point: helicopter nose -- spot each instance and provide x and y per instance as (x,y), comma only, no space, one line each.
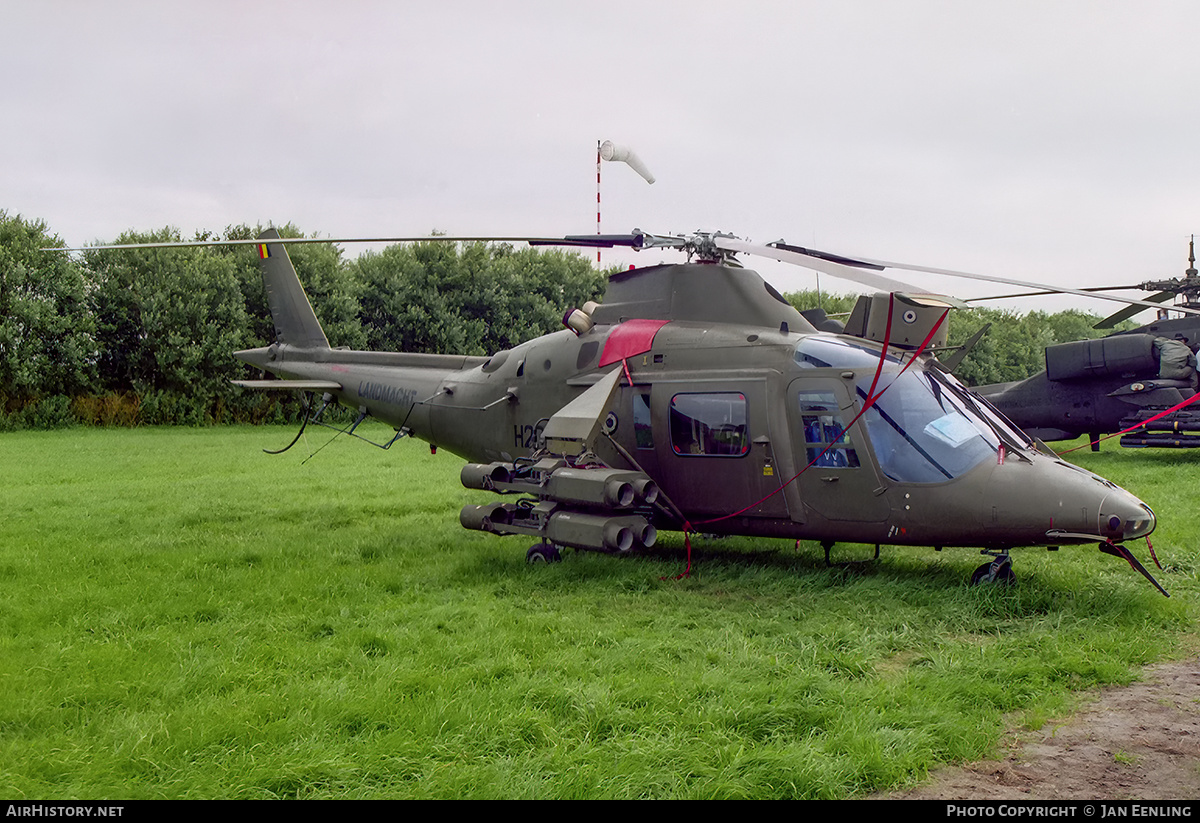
(1049,500)
(1124,517)
(1091,505)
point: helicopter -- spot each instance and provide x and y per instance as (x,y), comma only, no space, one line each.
(1139,384)
(694,398)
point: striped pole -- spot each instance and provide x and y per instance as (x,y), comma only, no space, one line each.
(597,199)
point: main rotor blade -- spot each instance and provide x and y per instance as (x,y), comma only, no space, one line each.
(1046,291)
(822,264)
(987,278)
(1129,311)
(602,241)
(824,255)
(607,241)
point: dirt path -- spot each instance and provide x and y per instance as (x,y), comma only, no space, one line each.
(1138,742)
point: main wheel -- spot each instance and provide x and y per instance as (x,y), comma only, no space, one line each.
(1005,576)
(543,553)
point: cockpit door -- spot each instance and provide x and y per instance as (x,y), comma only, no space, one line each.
(843,483)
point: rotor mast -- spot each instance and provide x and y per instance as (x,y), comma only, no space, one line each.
(1186,288)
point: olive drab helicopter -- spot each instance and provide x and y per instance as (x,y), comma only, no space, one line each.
(695,398)
(1139,384)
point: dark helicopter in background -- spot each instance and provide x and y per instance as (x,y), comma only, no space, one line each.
(696,398)
(1137,382)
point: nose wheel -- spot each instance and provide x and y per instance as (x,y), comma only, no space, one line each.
(998,571)
(543,553)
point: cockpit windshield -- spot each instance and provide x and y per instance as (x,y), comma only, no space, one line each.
(924,427)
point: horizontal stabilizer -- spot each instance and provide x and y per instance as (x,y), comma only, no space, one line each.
(291,385)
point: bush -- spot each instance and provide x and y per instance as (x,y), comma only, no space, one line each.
(45,413)
(113,409)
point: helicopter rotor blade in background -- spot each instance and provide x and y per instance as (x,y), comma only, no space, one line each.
(987,278)
(1129,311)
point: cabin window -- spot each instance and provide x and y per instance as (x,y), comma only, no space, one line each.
(825,437)
(819,351)
(712,424)
(641,421)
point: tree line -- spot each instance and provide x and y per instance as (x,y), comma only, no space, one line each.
(129,337)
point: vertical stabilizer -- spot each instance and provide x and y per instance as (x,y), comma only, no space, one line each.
(295,322)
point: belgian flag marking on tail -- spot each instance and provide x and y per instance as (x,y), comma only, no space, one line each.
(264,251)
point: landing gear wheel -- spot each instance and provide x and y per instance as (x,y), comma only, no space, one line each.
(543,553)
(1003,575)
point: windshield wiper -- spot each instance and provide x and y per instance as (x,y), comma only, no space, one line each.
(983,414)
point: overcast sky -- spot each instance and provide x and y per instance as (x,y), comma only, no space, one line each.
(1049,141)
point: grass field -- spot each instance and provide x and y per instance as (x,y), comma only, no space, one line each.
(182,615)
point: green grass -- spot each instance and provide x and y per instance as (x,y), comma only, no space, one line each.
(182,615)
